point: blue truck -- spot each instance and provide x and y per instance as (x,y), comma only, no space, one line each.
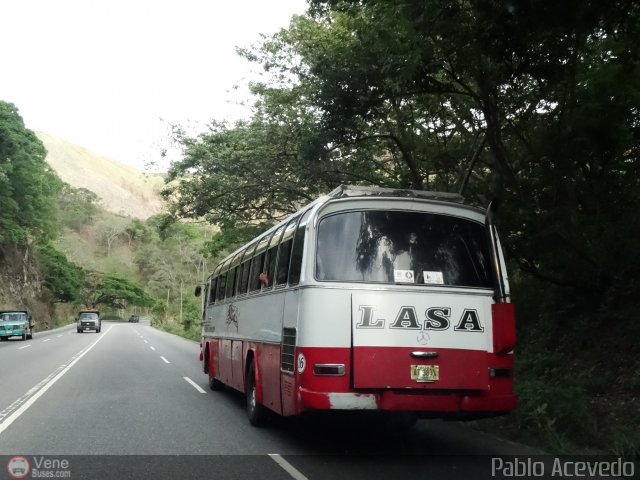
(15,323)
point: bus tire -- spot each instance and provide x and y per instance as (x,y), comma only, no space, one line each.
(256,412)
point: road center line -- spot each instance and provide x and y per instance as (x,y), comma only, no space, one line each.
(145,341)
(17,408)
(165,360)
(26,346)
(287,467)
(58,336)
(46,340)
(194,385)
(152,348)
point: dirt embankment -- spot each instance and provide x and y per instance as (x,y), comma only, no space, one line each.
(21,288)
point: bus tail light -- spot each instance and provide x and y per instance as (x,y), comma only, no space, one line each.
(504,327)
(329,369)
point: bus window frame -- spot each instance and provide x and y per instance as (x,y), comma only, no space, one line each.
(223,272)
(233,267)
(212,285)
(293,221)
(242,256)
(304,217)
(264,240)
(273,244)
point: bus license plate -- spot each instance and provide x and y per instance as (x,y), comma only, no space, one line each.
(425,373)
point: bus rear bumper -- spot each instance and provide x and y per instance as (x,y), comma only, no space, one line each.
(414,401)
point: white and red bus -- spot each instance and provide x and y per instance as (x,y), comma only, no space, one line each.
(366,299)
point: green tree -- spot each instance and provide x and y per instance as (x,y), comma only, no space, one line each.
(491,97)
(28,186)
(62,278)
(77,206)
(250,172)
(114,291)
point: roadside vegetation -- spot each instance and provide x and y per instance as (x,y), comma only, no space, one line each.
(60,251)
(534,104)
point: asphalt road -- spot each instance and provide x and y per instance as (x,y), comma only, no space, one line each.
(132,402)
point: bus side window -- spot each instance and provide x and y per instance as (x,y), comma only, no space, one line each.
(212,291)
(222,283)
(256,269)
(271,266)
(272,255)
(231,281)
(284,256)
(284,253)
(244,278)
(237,287)
(295,269)
(258,274)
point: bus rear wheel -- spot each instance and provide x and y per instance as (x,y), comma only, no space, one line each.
(256,412)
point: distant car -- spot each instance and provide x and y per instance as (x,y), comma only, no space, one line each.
(16,323)
(89,320)
(134,319)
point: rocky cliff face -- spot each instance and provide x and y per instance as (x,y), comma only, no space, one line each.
(21,286)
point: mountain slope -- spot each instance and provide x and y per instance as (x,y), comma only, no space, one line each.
(122,189)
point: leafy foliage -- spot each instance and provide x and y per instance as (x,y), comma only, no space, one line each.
(488,97)
(78,206)
(534,103)
(28,187)
(62,278)
(113,291)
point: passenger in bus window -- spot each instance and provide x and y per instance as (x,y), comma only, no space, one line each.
(264,279)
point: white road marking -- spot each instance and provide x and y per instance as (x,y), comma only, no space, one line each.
(145,341)
(152,348)
(194,385)
(164,360)
(58,336)
(17,408)
(287,467)
(46,340)
(26,346)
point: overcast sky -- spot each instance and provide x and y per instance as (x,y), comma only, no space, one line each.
(102,73)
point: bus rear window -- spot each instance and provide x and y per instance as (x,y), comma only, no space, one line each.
(422,248)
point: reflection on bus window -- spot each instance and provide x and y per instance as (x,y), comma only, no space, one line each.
(368,246)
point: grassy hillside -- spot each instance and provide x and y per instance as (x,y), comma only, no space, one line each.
(122,189)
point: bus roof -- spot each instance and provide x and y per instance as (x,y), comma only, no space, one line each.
(358,191)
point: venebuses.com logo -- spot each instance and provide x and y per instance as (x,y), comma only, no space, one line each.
(38,467)
(18,467)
